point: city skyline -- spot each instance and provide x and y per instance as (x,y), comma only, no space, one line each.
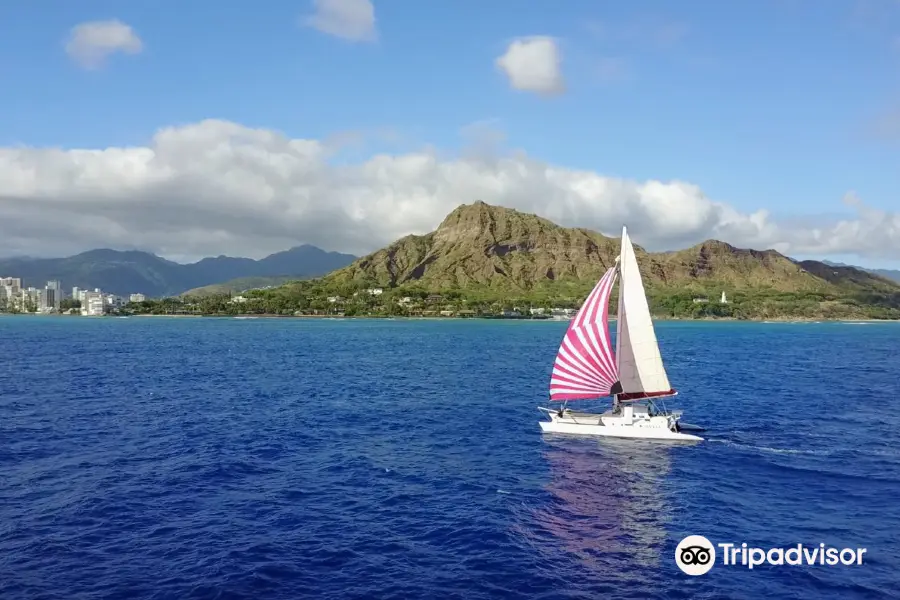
(16,296)
(347,124)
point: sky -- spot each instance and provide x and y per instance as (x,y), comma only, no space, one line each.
(199,129)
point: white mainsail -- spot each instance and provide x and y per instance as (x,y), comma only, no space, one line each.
(641,370)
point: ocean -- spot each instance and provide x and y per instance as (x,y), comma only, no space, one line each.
(298,458)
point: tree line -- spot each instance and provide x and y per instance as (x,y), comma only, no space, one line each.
(353,299)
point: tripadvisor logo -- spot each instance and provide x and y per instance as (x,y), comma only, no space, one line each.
(696,555)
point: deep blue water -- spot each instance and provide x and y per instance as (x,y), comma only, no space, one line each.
(222,458)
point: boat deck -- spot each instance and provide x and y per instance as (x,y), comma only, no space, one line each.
(586,415)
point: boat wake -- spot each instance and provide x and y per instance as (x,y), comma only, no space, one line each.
(769,449)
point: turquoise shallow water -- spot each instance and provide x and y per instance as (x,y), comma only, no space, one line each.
(223,458)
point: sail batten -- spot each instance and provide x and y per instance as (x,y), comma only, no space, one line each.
(585,365)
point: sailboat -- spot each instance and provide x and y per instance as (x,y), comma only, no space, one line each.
(587,368)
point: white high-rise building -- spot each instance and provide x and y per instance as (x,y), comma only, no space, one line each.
(51,296)
(113,300)
(93,304)
(10,290)
(15,282)
(78,293)
(49,300)
(31,300)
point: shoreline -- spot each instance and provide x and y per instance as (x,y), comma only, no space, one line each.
(611,320)
(771,320)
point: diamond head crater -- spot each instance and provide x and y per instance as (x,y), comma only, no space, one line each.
(482,261)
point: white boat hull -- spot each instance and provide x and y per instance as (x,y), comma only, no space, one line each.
(631,422)
(618,432)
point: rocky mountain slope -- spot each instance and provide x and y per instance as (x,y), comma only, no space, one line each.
(484,245)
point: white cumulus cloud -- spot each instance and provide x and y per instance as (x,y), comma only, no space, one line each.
(217,187)
(89,44)
(352,20)
(533,65)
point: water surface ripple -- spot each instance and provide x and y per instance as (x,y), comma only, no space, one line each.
(221,458)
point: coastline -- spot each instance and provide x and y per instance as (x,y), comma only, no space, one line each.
(771,320)
(612,319)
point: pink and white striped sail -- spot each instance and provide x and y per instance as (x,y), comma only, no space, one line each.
(585,365)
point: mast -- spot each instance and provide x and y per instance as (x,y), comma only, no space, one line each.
(620,318)
(638,360)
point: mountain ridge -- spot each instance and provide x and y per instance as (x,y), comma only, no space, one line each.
(476,244)
(481,245)
(126,272)
(892,274)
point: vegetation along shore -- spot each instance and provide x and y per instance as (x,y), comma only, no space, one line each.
(487,261)
(494,262)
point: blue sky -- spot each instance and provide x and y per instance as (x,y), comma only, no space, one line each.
(779,104)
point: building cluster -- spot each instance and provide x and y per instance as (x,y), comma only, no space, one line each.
(436,304)
(30,299)
(554,313)
(14,297)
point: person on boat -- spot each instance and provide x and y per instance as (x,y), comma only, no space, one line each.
(562,409)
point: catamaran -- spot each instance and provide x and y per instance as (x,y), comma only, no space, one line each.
(587,368)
